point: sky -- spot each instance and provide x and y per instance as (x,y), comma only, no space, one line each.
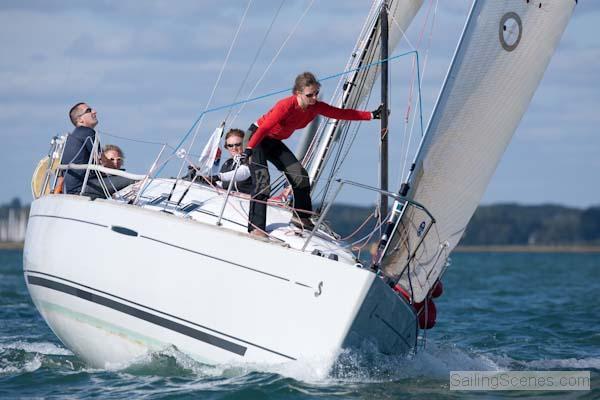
(149,68)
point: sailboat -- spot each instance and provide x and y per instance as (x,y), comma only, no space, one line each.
(154,266)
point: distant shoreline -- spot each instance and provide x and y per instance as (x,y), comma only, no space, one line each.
(11,245)
(528,249)
(459,249)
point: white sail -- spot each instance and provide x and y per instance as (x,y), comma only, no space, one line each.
(358,85)
(400,15)
(500,60)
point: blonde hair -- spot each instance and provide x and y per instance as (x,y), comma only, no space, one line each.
(113,147)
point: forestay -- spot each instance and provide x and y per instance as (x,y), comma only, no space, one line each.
(499,62)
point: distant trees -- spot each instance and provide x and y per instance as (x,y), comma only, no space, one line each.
(590,224)
(504,224)
(513,224)
(499,224)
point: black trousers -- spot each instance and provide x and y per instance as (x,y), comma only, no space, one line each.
(278,154)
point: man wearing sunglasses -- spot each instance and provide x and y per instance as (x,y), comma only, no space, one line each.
(79,145)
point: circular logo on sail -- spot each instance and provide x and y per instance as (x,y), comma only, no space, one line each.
(510,31)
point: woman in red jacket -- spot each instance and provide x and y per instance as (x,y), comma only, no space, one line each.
(291,113)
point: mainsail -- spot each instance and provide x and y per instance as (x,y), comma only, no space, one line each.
(500,60)
(358,85)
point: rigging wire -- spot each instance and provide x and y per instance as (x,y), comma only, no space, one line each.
(339,158)
(260,47)
(218,81)
(341,137)
(420,84)
(371,21)
(273,60)
(237,32)
(410,98)
(345,126)
(198,122)
(134,140)
(361,42)
(367,237)
(391,14)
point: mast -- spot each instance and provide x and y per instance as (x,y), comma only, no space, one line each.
(358,85)
(383,143)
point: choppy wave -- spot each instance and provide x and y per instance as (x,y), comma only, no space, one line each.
(434,361)
(567,364)
(41,348)
(14,365)
(168,362)
(355,366)
(359,366)
(21,356)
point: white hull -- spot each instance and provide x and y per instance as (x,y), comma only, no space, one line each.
(112,294)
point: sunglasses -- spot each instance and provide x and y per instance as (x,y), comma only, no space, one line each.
(87,111)
(116,159)
(231,145)
(311,95)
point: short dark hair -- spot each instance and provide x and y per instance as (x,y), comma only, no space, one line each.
(234,132)
(303,80)
(73,113)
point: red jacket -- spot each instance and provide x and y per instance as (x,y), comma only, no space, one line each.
(287,116)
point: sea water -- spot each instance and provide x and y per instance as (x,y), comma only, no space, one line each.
(498,312)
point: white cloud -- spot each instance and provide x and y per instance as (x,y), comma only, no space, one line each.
(149,68)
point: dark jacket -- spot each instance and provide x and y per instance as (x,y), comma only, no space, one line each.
(78,149)
(244,186)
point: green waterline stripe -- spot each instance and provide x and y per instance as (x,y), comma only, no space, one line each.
(138,313)
(133,336)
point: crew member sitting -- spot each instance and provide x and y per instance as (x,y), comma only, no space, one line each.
(113,157)
(242,182)
(234,140)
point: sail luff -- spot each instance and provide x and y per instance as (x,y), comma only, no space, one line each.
(502,55)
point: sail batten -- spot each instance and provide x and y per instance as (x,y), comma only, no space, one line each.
(502,55)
